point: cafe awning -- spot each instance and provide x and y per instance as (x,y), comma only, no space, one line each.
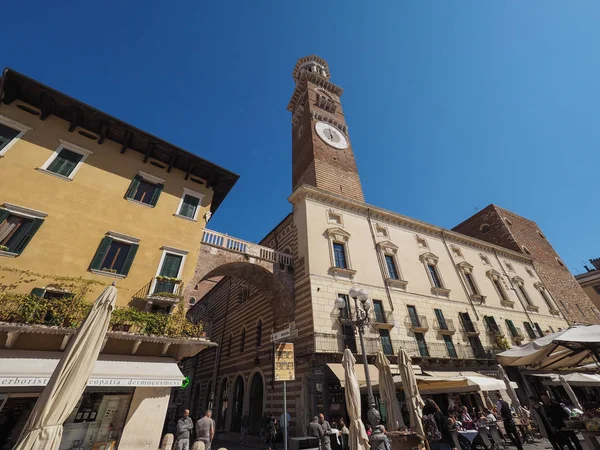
(474,379)
(32,368)
(574,379)
(338,371)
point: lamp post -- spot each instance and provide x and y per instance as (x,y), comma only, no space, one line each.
(359,319)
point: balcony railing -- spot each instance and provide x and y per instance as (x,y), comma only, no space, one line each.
(383,319)
(493,329)
(444,327)
(226,242)
(517,334)
(162,289)
(418,323)
(469,328)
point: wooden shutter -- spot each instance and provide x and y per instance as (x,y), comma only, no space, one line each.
(3,215)
(129,260)
(34,225)
(65,162)
(157,191)
(133,187)
(101,253)
(171,264)
(38,292)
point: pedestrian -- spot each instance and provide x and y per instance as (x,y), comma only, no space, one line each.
(264,424)
(557,415)
(284,423)
(378,440)
(184,426)
(205,429)
(271,431)
(326,440)
(315,429)
(538,415)
(345,433)
(509,424)
(435,425)
(244,428)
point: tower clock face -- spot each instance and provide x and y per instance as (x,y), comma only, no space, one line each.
(331,135)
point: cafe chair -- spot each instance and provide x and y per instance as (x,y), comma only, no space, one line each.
(498,440)
(482,441)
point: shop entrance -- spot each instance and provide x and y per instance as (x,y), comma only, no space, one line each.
(14,412)
(255,411)
(238,404)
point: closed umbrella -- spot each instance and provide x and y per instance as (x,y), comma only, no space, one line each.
(511,392)
(387,391)
(358,435)
(44,428)
(488,402)
(414,402)
(570,392)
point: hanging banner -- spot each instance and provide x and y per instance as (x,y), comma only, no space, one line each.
(284,362)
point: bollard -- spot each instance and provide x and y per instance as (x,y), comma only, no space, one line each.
(198,445)
(167,442)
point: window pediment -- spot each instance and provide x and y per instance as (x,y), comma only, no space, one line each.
(387,247)
(539,286)
(518,281)
(465,267)
(338,234)
(429,258)
(493,274)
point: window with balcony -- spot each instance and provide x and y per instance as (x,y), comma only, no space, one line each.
(167,279)
(341,265)
(529,305)
(529,329)
(414,317)
(386,342)
(348,337)
(468,325)
(430,263)
(540,333)
(422,344)
(393,275)
(145,189)
(114,255)
(478,350)
(378,310)
(441,320)
(450,346)
(18,225)
(496,279)
(491,325)
(10,133)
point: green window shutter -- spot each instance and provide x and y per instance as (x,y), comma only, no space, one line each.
(189,206)
(133,187)
(38,292)
(154,200)
(129,260)
(3,215)
(170,267)
(65,162)
(7,134)
(101,253)
(34,225)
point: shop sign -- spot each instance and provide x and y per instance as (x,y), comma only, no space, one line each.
(124,382)
(284,362)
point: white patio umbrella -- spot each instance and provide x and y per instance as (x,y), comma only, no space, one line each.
(387,391)
(44,428)
(511,392)
(570,392)
(358,439)
(414,402)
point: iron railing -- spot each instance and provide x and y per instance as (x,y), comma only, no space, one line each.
(170,288)
(445,327)
(417,323)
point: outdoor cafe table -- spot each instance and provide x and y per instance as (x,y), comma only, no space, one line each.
(469,434)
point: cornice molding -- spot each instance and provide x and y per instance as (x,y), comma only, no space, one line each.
(389,217)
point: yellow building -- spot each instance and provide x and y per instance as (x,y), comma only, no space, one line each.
(87,200)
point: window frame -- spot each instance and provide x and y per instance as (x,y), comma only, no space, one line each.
(498,283)
(388,249)
(119,237)
(596,288)
(65,145)
(172,250)
(339,249)
(38,218)
(389,337)
(21,128)
(552,306)
(194,194)
(522,292)
(339,236)
(429,259)
(466,272)
(148,178)
(530,330)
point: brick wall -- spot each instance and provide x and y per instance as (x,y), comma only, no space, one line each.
(520,234)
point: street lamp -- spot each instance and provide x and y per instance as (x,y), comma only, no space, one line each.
(359,319)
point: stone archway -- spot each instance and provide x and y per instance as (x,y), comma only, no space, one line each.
(255,402)
(237,406)
(274,280)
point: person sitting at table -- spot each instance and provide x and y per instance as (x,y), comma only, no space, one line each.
(489,417)
(466,420)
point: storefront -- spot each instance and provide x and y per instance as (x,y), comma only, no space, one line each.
(108,414)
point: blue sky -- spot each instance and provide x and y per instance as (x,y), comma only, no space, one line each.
(451,105)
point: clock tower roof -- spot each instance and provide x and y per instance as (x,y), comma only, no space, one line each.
(312,64)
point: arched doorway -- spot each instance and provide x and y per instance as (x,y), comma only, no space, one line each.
(238,404)
(255,410)
(222,404)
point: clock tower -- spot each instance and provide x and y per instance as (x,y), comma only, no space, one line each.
(322,155)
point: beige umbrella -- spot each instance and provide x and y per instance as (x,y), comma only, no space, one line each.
(414,402)
(44,428)
(488,402)
(511,392)
(387,391)
(570,392)
(358,435)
